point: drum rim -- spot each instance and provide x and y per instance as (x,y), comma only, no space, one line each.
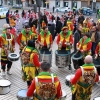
(76,58)
(62,54)
(6,86)
(9,56)
(21,96)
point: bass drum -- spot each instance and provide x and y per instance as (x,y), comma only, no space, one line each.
(77,59)
(97,64)
(62,58)
(21,95)
(4,86)
(46,56)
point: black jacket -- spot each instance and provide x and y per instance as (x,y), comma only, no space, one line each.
(77,37)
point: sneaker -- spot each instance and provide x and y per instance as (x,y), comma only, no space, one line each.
(8,72)
(3,73)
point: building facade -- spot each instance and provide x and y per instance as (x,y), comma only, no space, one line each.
(56,3)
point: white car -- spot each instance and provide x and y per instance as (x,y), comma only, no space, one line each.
(62,9)
(3,12)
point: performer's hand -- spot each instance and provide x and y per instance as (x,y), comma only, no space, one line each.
(78,49)
(82,51)
(50,49)
(68,44)
(96,56)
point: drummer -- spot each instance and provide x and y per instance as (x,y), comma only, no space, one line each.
(84,79)
(45,83)
(84,45)
(45,39)
(30,61)
(65,39)
(97,50)
(7,45)
(24,36)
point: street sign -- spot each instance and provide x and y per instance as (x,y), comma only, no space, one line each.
(94,0)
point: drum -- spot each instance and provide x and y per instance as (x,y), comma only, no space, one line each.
(21,95)
(98,83)
(77,59)
(97,98)
(97,64)
(4,86)
(13,57)
(68,77)
(64,94)
(45,56)
(62,58)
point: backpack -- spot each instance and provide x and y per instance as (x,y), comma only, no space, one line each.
(88,76)
(47,91)
(25,56)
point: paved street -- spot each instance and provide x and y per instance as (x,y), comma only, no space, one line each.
(16,78)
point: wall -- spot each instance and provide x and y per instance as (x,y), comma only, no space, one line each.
(61,3)
(78,4)
(51,3)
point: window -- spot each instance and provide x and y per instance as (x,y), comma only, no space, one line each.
(65,4)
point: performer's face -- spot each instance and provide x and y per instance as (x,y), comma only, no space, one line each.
(7,31)
(65,31)
(85,37)
(28,30)
(46,30)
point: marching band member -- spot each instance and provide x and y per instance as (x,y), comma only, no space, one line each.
(45,83)
(84,45)
(70,24)
(85,28)
(84,79)
(45,39)
(34,30)
(7,45)
(65,39)
(30,61)
(24,36)
(12,21)
(97,50)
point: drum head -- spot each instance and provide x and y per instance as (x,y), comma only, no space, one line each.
(5,83)
(96,62)
(68,77)
(14,55)
(45,51)
(77,56)
(97,98)
(22,93)
(62,52)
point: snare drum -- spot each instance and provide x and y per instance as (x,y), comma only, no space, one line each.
(97,98)
(4,86)
(21,95)
(68,77)
(13,57)
(62,58)
(47,56)
(64,94)
(77,59)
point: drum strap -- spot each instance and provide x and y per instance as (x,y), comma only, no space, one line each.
(83,70)
(36,79)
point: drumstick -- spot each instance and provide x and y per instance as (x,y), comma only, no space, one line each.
(43,56)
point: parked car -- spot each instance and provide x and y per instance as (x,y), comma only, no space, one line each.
(17,6)
(3,11)
(87,11)
(62,9)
